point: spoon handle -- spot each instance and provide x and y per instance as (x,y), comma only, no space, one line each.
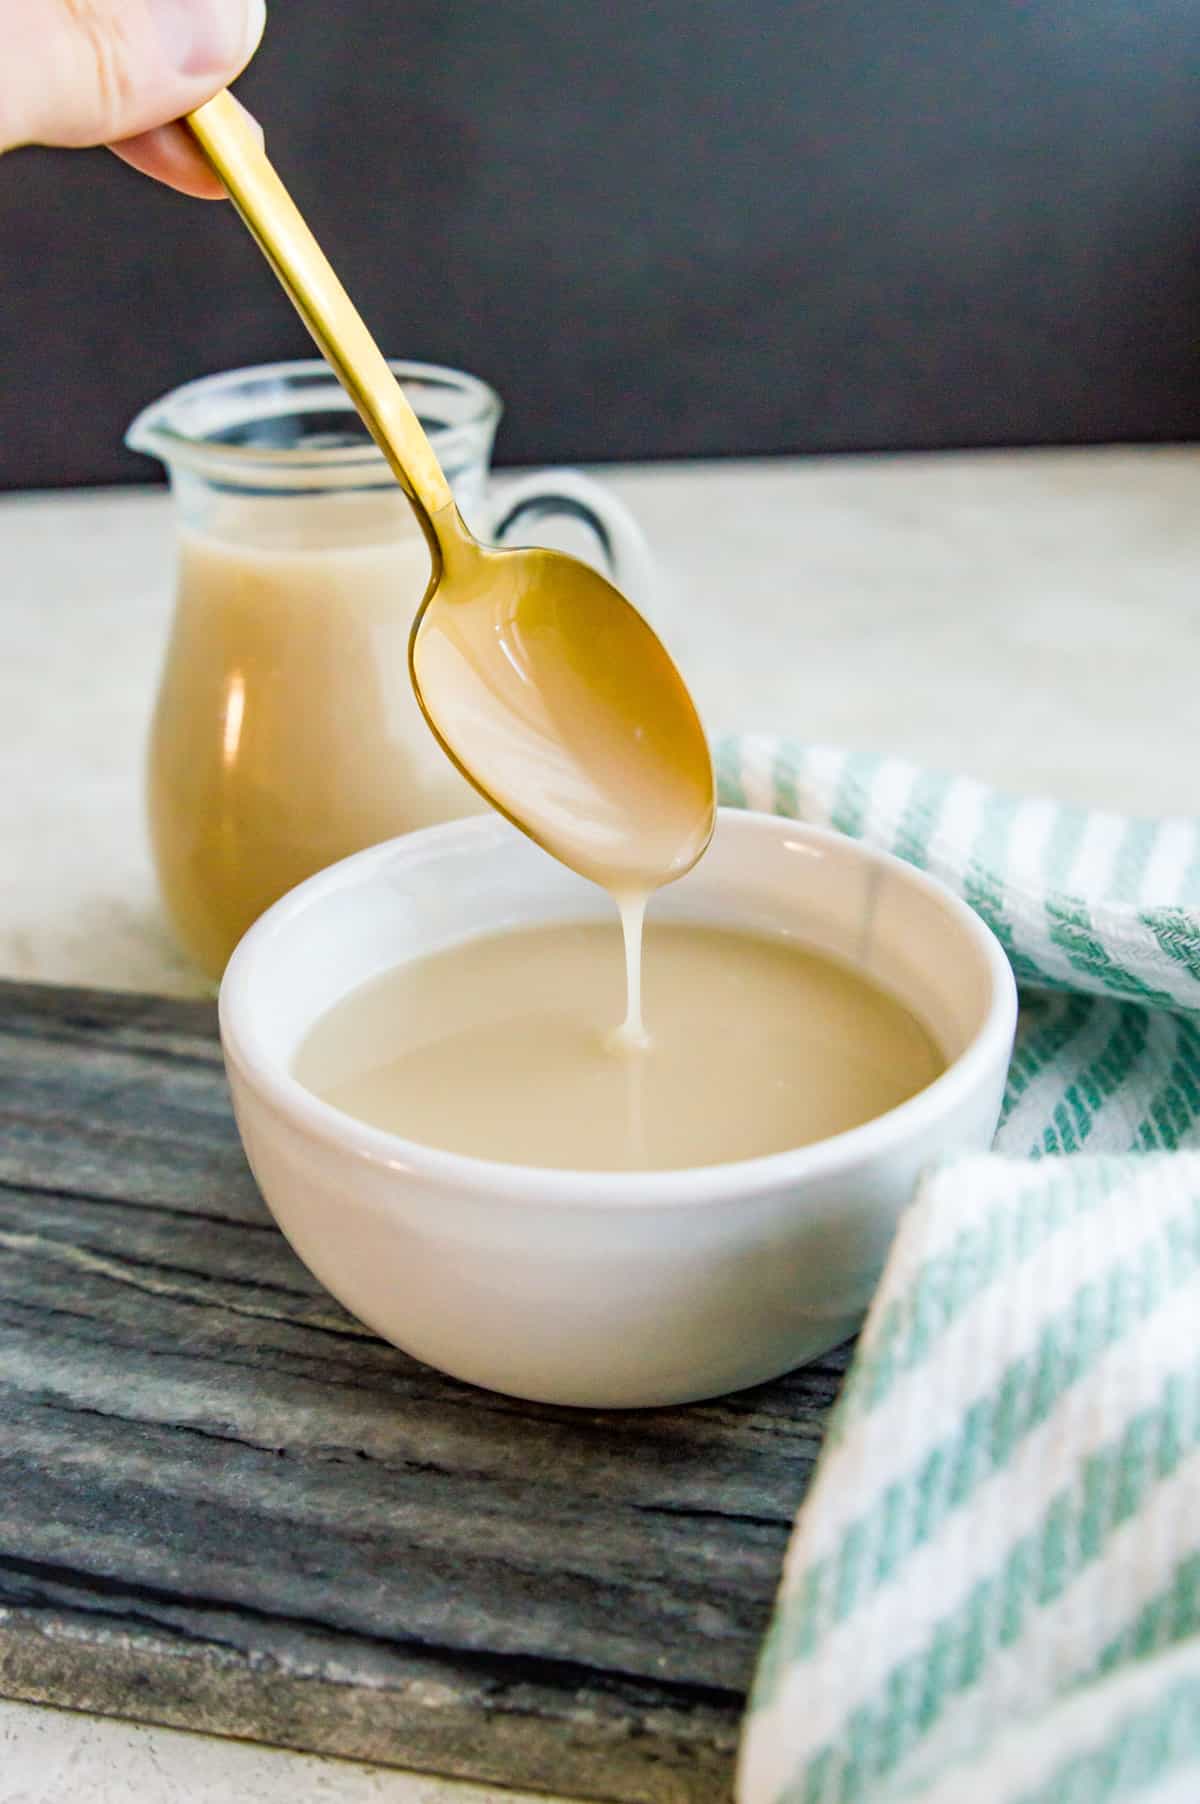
(231,144)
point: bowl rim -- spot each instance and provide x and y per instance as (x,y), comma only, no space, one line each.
(556,1186)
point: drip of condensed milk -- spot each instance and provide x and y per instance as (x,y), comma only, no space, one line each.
(631,1036)
(585,736)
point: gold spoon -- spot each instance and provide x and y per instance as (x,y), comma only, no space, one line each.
(542,683)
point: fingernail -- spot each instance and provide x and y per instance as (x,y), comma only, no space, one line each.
(209,37)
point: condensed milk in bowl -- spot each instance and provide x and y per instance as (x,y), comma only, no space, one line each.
(419,1043)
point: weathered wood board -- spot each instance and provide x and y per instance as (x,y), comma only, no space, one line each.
(227,1506)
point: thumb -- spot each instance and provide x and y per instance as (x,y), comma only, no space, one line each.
(79,72)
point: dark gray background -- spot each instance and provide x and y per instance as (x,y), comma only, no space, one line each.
(666,227)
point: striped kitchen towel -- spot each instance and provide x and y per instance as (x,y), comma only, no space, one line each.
(1099,914)
(992,1593)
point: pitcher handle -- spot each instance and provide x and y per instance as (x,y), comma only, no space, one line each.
(627,558)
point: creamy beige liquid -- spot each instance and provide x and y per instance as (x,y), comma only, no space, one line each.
(286,734)
(498,1048)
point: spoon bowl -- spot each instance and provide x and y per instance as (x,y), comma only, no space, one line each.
(532,668)
(544,685)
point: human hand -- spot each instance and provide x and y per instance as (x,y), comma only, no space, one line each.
(119,72)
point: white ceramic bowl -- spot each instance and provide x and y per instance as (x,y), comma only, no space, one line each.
(608,1289)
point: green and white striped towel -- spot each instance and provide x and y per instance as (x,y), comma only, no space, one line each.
(1099,914)
(992,1594)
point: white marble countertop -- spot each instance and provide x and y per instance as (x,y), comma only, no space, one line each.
(1030,617)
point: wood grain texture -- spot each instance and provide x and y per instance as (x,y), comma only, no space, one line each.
(227,1506)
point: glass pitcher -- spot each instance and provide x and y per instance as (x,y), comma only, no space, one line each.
(286,734)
